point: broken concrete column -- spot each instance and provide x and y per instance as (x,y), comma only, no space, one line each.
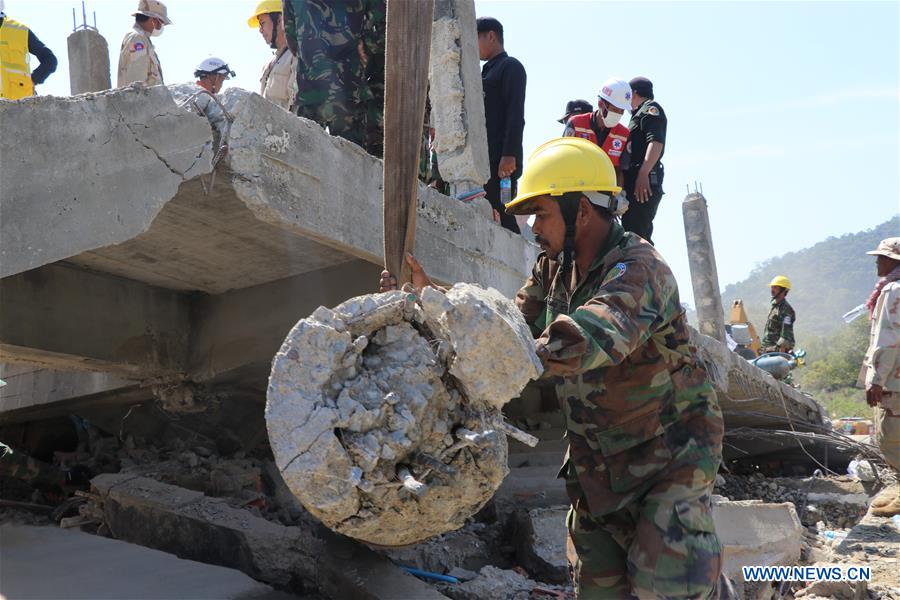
(88,62)
(384,413)
(702,258)
(457,100)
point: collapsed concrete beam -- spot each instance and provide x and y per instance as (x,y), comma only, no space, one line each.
(112,161)
(291,174)
(64,317)
(190,525)
(704,275)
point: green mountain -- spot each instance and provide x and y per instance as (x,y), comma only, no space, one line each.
(828,279)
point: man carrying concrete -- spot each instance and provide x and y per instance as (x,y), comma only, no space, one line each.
(279,77)
(602,126)
(643,423)
(881,367)
(503,78)
(137,57)
(778,335)
(328,40)
(17,41)
(646,145)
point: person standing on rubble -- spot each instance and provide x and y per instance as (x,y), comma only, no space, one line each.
(17,41)
(646,145)
(881,366)
(504,79)
(602,126)
(328,40)
(138,61)
(279,77)
(778,335)
(643,422)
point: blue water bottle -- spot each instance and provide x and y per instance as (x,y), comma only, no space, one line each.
(505,191)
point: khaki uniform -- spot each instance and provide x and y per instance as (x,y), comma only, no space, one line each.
(882,367)
(138,60)
(278,83)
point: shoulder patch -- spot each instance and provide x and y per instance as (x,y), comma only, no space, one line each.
(788,320)
(652,110)
(617,271)
(137,46)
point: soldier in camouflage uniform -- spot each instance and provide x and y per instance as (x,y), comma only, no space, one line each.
(779,333)
(644,425)
(328,39)
(374,42)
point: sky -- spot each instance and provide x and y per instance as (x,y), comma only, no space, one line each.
(787,113)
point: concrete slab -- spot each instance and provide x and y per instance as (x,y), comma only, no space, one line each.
(541,543)
(46,563)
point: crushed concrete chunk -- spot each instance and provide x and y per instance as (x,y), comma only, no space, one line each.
(541,543)
(371,407)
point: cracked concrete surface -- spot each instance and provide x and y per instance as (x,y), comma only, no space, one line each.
(87,150)
(383,413)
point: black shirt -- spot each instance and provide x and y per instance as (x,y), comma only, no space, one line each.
(648,124)
(43,54)
(503,78)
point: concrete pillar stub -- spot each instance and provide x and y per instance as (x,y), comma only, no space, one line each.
(88,62)
(457,99)
(702,258)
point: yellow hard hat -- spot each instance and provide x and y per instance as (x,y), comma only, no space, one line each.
(567,164)
(264,7)
(781,281)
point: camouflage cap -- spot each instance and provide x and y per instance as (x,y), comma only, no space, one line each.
(889,247)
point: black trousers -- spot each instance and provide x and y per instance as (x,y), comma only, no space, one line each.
(639,216)
(492,189)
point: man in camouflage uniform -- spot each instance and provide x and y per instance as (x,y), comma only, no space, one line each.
(644,426)
(328,40)
(374,44)
(779,333)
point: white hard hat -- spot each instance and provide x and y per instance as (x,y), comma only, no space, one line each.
(617,92)
(2,9)
(214,65)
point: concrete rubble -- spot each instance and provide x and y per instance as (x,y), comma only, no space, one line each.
(384,413)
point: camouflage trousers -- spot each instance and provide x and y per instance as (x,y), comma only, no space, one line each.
(661,544)
(343,118)
(21,466)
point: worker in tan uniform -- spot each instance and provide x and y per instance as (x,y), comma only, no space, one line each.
(137,58)
(279,78)
(881,367)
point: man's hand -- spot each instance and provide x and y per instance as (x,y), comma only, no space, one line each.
(496,215)
(543,352)
(361,50)
(507,166)
(420,278)
(642,187)
(873,395)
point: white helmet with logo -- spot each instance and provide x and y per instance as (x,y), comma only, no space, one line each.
(213,65)
(617,92)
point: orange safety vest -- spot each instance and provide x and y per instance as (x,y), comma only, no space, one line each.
(615,140)
(15,72)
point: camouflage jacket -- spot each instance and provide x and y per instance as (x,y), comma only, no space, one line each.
(325,36)
(779,327)
(635,396)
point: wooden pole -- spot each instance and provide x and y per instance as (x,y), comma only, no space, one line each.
(408,46)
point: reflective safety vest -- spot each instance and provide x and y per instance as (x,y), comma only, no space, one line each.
(616,138)
(15,73)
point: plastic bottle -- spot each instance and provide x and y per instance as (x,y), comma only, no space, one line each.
(505,191)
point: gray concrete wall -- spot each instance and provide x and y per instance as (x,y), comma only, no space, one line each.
(88,62)
(90,171)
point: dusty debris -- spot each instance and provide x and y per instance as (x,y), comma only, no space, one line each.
(494,583)
(384,413)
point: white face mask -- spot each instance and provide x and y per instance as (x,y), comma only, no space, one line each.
(157,32)
(611,119)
